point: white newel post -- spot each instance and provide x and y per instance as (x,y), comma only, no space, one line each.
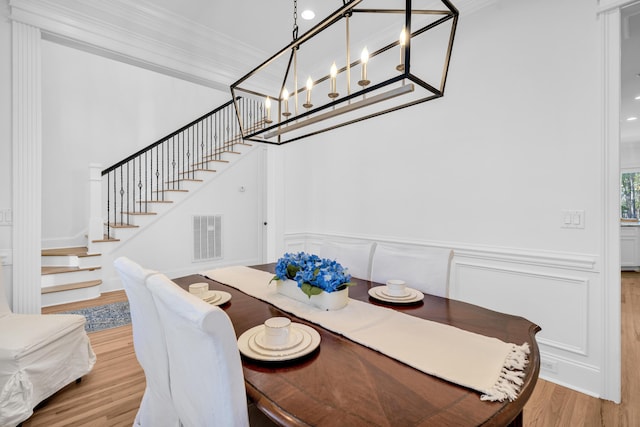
(27,168)
(96,231)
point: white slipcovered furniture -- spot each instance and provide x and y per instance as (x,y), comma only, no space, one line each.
(354,256)
(425,269)
(207,383)
(156,408)
(39,355)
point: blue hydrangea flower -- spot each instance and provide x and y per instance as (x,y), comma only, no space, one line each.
(302,267)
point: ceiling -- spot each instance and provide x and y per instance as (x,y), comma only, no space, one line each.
(266,26)
(630,74)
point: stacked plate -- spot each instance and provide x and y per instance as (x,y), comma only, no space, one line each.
(216,297)
(302,341)
(410,296)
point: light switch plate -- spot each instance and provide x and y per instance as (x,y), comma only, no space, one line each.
(571,218)
(5,257)
(6,217)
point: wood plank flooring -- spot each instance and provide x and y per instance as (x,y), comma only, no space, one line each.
(110,394)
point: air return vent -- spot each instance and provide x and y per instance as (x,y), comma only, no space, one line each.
(207,237)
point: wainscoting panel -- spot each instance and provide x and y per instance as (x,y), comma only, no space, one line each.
(548,300)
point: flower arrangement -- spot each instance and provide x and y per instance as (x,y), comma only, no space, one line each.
(313,274)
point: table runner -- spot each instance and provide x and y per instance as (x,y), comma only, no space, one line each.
(485,364)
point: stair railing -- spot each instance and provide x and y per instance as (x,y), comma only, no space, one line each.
(145,177)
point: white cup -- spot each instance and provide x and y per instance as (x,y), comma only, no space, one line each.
(198,289)
(276,331)
(396,287)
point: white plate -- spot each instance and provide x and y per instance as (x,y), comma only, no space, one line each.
(382,290)
(380,293)
(247,345)
(302,345)
(415,296)
(295,338)
(224,298)
(210,296)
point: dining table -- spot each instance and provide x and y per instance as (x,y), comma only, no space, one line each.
(344,383)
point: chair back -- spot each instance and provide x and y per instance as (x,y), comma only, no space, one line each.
(424,269)
(4,304)
(207,383)
(354,256)
(156,408)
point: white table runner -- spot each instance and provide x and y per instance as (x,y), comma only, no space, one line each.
(485,364)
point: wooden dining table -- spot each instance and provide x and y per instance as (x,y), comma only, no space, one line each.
(343,383)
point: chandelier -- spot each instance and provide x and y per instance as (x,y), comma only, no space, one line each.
(368,58)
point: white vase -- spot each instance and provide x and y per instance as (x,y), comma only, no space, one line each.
(325,300)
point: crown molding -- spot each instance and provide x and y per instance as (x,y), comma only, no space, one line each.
(142,34)
(605,6)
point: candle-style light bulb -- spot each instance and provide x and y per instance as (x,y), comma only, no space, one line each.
(267,106)
(333,73)
(364,58)
(403,42)
(285,98)
(308,104)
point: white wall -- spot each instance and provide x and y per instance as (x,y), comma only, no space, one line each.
(486,170)
(5,140)
(98,110)
(236,193)
(630,155)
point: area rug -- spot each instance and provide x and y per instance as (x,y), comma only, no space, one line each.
(105,316)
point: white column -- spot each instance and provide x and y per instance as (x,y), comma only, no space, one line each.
(96,229)
(609,47)
(27,167)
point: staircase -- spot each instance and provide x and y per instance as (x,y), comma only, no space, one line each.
(69,274)
(139,190)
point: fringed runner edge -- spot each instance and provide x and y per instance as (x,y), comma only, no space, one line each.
(510,381)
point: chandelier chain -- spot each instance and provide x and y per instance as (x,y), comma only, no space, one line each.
(295,19)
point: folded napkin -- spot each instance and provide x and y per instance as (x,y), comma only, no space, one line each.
(485,364)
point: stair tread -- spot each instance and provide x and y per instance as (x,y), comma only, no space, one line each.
(70,286)
(197,170)
(105,239)
(121,225)
(155,201)
(215,160)
(183,180)
(59,270)
(80,251)
(169,190)
(140,213)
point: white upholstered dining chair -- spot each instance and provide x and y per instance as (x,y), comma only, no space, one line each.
(424,269)
(207,383)
(354,256)
(39,355)
(156,408)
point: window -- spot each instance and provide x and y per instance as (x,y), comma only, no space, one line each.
(630,195)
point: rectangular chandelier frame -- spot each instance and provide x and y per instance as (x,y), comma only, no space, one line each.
(369,99)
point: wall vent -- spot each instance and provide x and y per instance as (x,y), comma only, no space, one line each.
(207,237)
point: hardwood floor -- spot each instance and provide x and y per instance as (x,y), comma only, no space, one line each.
(553,405)
(110,394)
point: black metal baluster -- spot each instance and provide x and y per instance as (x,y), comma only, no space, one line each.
(206,139)
(146,175)
(121,193)
(141,184)
(108,204)
(158,155)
